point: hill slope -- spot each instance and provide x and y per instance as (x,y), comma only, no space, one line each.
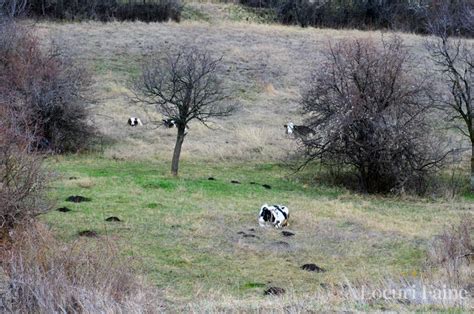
(264,67)
(198,240)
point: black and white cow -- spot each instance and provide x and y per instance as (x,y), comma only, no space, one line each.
(133,122)
(277,215)
(171,123)
(298,130)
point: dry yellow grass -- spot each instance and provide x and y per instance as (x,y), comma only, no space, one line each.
(264,67)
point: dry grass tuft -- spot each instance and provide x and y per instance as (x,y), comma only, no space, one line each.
(386,294)
(87,277)
(85,183)
(453,251)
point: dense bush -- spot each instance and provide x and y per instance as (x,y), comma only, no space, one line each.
(148,11)
(369,115)
(400,15)
(46,86)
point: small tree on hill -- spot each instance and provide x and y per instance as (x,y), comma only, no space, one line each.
(183,86)
(454,58)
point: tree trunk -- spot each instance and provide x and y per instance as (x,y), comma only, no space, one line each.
(472,167)
(177,150)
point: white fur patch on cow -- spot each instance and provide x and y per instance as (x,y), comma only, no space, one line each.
(134,121)
(277,215)
(171,123)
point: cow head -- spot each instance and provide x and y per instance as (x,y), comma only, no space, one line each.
(289,128)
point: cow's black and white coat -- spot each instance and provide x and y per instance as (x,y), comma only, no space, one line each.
(133,121)
(298,130)
(277,215)
(171,123)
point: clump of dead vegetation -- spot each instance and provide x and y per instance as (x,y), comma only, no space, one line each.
(45,276)
(453,251)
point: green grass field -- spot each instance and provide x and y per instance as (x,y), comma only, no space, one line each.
(184,232)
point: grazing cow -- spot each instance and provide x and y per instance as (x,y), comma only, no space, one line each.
(133,121)
(171,123)
(300,131)
(278,215)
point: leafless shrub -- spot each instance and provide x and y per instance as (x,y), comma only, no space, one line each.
(83,277)
(183,87)
(454,249)
(22,178)
(369,114)
(51,87)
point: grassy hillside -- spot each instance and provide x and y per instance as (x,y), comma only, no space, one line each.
(264,67)
(187,233)
(198,240)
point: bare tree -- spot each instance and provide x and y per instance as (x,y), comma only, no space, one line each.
(367,111)
(184,86)
(454,58)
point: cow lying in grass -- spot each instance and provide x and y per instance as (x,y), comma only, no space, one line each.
(300,131)
(277,215)
(133,122)
(170,123)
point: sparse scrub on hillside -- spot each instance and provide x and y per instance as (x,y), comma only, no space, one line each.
(146,11)
(47,86)
(399,15)
(453,251)
(369,114)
